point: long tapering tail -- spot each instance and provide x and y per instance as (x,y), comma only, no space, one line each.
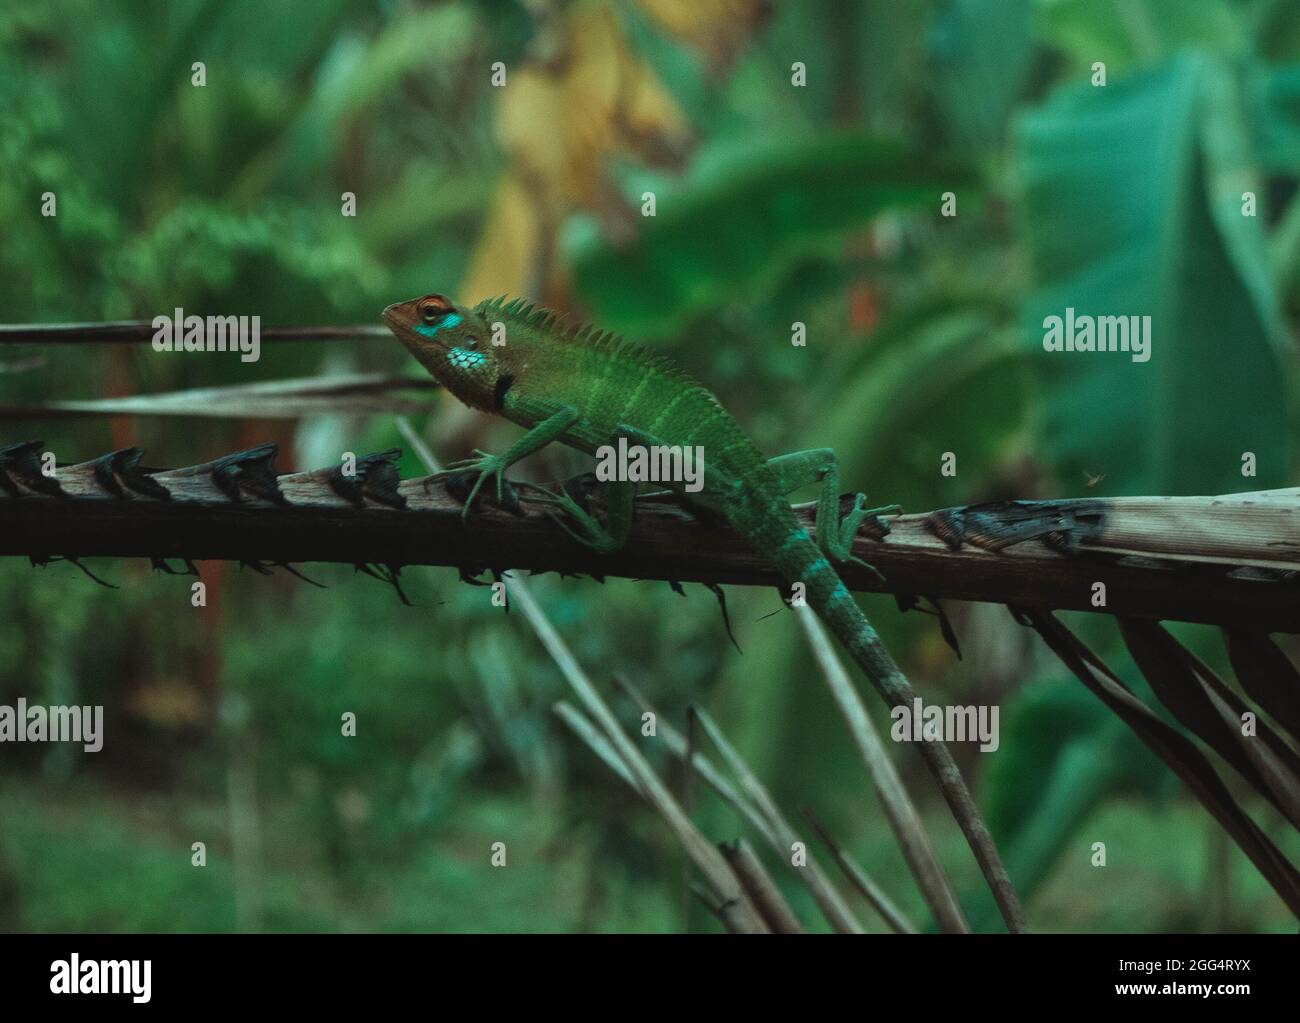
(801,560)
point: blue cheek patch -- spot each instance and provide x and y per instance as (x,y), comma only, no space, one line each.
(466,358)
(459,358)
(450,320)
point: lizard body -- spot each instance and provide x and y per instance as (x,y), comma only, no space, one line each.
(585,388)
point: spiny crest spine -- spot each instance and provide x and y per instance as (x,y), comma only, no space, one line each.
(532,315)
(589,336)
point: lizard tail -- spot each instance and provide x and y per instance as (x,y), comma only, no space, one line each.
(801,560)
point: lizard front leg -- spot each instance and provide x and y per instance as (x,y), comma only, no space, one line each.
(494,466)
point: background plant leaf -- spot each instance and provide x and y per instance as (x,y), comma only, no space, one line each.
(1126,194)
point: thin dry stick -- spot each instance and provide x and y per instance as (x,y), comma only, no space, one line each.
(591,735)
(1274,771)
(264,399)
(733,905)
(420,448)
(899,811)
(688,776)
(714,778)
(832,905)
(734,901)
(776,912)
(701,764)
(138,331)
(709,902)
(860,880)
(582,727)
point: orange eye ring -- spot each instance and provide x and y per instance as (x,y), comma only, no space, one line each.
(433,308)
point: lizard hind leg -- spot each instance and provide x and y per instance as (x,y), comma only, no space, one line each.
(835,536)
(620,500)
(584,527)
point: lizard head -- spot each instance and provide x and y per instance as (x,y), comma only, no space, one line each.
(451,342)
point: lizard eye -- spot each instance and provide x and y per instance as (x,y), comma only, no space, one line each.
(431,313)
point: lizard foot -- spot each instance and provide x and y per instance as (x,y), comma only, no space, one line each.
(840,547)
(480,470)
(585,529)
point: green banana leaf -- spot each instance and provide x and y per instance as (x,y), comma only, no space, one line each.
(1132,205)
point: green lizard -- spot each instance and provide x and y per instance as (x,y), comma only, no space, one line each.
(586,388)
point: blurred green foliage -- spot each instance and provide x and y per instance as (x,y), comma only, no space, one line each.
(776,204)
